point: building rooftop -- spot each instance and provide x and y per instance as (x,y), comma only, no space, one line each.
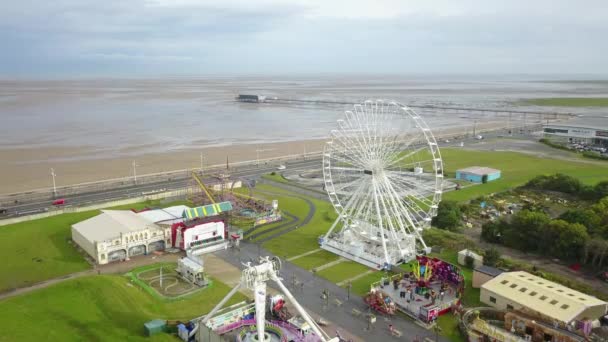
(491,271)
(111,223)
(541,295)
(165,214)
(478,170)
(583,122)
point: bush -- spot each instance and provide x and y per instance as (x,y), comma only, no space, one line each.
(491,257)
(273,173)
(448,216)
(594,155)
(469,261)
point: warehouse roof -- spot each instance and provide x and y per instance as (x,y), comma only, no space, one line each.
(165,214)
(548,298)
(478,170)
(111,223)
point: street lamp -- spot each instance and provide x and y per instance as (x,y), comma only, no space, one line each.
(202,163)
(348,287)
(135,171)
(54,186)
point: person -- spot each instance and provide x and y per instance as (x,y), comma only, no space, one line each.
(391,329)
(441,294)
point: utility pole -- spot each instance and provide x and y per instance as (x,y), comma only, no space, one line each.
(474,128)
(348,287)
(304,151)
(134,172)
(54,186)
(257,156)
(202,163)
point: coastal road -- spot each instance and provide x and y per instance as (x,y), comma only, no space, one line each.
(90,198)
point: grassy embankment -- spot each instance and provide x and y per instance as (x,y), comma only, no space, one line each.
(41,249)
(98,308)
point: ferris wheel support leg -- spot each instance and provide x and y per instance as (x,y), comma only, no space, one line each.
(331,229)
(221,304)
(300,309)
(386,257)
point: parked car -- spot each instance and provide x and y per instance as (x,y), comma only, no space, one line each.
(281,167)
(479,137)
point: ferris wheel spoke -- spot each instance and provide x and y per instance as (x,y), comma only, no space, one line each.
(397,159)
(347,149)
(409,181)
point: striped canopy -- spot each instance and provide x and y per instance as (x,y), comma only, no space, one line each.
(206,210)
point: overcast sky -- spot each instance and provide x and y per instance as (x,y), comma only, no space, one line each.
(186,37)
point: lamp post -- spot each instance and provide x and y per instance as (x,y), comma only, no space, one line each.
(135,171)
(54,186)
(202,163)
(348,287)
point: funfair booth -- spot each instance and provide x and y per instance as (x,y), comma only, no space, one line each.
(203,230)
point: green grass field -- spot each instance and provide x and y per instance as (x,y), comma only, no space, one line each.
(98,308)
(568,102)
(342,271)
(41,249)
(314,260)
(38,250)
(516,169)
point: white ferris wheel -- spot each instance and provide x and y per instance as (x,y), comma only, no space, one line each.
(383,174)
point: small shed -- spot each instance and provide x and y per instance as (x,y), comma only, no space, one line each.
(484,273)
(477,259)
(477,174)
(154,327)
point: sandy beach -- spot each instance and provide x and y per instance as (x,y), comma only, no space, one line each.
(25,169)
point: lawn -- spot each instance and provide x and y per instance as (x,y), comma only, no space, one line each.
(277,177)
(41,249)
(516,170)
(316,259)
(449,328)
(98,308)
(568,102)
(342,271)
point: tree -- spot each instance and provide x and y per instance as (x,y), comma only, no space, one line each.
(565,240)
(587,217)
(601,189)
(493,231)
(491,257)
(448,216)
(524,231)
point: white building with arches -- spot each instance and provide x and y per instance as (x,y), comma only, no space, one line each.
(116,235)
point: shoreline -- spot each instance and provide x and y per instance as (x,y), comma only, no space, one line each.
(25,170)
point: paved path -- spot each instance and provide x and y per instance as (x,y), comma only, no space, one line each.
(329,264)
(304,254)
(284,228)
(358,276)
(309,295)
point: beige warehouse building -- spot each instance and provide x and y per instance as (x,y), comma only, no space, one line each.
(527,292)
(116,235)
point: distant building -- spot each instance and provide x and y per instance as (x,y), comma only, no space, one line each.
(116,235)
(483,274)
(545,299)
(477,173)
(590,131)
(250,98)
